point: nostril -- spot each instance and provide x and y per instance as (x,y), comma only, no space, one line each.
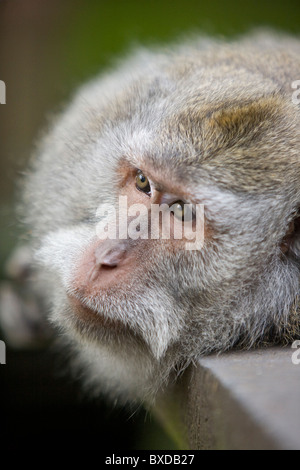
(110,260)
(108,267)
(104,262)
(109,254)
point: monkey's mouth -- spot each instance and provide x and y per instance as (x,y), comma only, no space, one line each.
(101,328)
(85,315)
(100,285)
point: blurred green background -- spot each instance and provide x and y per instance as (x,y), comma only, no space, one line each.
(46,49)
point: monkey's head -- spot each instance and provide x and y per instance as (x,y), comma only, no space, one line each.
(206,125)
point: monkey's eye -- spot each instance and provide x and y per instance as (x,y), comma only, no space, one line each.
(178,209)
(142,183)
(182,211)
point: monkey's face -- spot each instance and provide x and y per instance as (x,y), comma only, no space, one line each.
(144,295)
(135,294)
(129,273)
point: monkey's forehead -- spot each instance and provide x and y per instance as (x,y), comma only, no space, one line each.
(208,110)
(248,143)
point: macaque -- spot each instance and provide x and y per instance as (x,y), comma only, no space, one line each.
(205,124)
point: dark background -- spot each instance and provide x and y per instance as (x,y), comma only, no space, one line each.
(47,48)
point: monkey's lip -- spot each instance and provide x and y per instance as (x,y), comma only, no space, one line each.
(88,315)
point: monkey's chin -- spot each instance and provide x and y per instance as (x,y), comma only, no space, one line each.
(115,359)
(97,327)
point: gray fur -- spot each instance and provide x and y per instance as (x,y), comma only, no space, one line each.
(217,117)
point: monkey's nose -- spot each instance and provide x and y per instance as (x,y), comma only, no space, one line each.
(104,264)
(110,253)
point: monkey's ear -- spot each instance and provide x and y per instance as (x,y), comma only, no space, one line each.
(290,244)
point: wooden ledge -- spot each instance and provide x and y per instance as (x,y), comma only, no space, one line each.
(236,400)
